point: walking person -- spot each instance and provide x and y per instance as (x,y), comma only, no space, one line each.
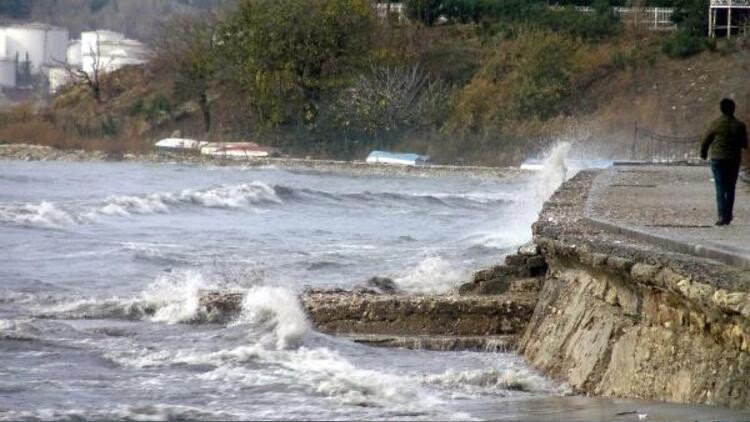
(724,139)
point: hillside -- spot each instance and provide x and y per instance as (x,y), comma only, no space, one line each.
(464,93)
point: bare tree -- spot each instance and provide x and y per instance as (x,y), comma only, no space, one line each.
(91,77)
(389,99)
(186,48)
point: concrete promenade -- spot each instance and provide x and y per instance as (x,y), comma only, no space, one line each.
(672,206)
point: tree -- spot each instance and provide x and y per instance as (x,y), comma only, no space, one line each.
(93,76)
(284,53)
(387,101)
(692,16)
(425,11)
(186,48)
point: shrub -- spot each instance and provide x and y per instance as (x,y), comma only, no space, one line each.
(682,44)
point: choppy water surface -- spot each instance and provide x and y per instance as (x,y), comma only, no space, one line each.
(86,247)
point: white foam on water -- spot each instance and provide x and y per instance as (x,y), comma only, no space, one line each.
(44,214)
(234,196)
(177,299)
(171,298)
(331,375)
(127,205)
(432,275)
(53,215)
(278,311)
(489,381)
(149,412)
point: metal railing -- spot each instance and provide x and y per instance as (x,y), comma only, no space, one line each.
(654,18)
(648,145)
(727,3)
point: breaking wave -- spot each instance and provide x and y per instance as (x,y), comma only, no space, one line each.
(55,215)
(172,298)
(433,275)
(236,196)
(241,196)
(450,200)
(494,379)
(319,371)
(278,312)
(43,214)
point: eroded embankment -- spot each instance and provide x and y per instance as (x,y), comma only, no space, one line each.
(619,318)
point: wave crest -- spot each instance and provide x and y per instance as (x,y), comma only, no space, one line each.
(278,311)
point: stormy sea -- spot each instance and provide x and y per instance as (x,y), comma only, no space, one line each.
(102,264)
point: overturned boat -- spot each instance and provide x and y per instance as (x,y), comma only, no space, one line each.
(402,159)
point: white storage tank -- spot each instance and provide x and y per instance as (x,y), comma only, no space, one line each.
(58,78)
(7,72)
(113,55)
(43,44)
(3,48)
(74,53)
(90,40)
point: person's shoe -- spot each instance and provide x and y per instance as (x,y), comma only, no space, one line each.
(720,223)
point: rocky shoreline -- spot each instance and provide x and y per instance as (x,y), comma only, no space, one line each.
(623,318)
(606,314)
(30,152)
(489,312)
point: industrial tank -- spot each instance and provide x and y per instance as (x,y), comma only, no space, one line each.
(42,44)
(90,40)
(7,72)
(74,53)
(94,49)
(58,78)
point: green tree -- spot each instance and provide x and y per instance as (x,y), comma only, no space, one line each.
(284,53)
(425,11)
(542,80)
(186,49)
(692,16)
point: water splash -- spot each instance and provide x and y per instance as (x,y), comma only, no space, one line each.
(514,227)
(432,275)
(275,310)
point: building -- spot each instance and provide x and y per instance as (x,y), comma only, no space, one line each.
(36,52)
(39,44)
(728,17)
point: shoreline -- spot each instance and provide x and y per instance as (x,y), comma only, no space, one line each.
(31,152)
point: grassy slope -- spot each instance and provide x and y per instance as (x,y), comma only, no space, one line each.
(674,97)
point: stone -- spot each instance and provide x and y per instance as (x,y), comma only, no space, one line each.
(536,266)
(494,287)
(383,285)
(517,261)
(468,288)
(529,249)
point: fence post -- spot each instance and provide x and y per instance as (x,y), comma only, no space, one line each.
(635,141)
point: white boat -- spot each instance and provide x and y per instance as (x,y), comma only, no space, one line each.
(180,143)
(237,150)
(402,159)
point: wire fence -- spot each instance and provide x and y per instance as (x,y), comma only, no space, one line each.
(649,145)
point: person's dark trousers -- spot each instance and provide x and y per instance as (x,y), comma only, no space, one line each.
(725,178)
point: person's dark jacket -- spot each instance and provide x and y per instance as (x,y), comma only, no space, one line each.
(724,138)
